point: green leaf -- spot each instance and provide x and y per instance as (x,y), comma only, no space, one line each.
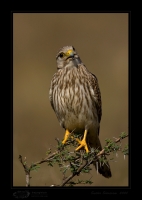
(107,150)
(125,150)
(65,170)
(25,162)
(71,185)
(123,134)
(35,167)
(79,181)
(48,152)
(50,164)
(73,169)
(72,182)
(108,141)
(85,170)
(88,182)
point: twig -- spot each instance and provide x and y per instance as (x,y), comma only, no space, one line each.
(27,171)
(48,158)
(44,160)
(116,141)
(97,156)
(74,174)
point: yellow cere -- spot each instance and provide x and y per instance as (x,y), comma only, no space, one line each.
(69,52)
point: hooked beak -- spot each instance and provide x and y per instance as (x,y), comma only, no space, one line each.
(69,54)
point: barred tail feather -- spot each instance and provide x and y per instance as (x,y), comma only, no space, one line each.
(102,168)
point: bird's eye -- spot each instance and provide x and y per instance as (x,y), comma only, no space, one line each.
(73,48)
(61,55)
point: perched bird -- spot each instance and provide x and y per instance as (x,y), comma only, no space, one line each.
(76,100)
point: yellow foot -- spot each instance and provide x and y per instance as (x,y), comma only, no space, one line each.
(67,133)
(83,143)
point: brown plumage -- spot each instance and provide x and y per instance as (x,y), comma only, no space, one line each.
(76,99)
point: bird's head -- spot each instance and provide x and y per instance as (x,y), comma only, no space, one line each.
(67,57)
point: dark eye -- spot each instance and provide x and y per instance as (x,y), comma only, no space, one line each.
(73,48)
(61,55)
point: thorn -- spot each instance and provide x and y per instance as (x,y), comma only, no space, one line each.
(97,166)
(107,165)
(115,138)
(73,130)
(116,154)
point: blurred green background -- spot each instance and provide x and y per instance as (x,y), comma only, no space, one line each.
(101,40)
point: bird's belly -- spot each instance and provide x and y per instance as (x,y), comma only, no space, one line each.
(76,123)
(74,117)
(75,108)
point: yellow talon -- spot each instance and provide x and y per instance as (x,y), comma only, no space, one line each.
(83,142)
(67,133)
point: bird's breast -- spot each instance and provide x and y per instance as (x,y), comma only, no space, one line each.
(75,107)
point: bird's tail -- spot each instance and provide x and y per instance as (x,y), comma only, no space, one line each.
(102,167)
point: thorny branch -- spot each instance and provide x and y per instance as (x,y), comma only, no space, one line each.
(51,156)
(116,141)
(28,169)
(74,174)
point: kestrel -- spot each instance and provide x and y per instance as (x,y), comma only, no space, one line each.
(76,100)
